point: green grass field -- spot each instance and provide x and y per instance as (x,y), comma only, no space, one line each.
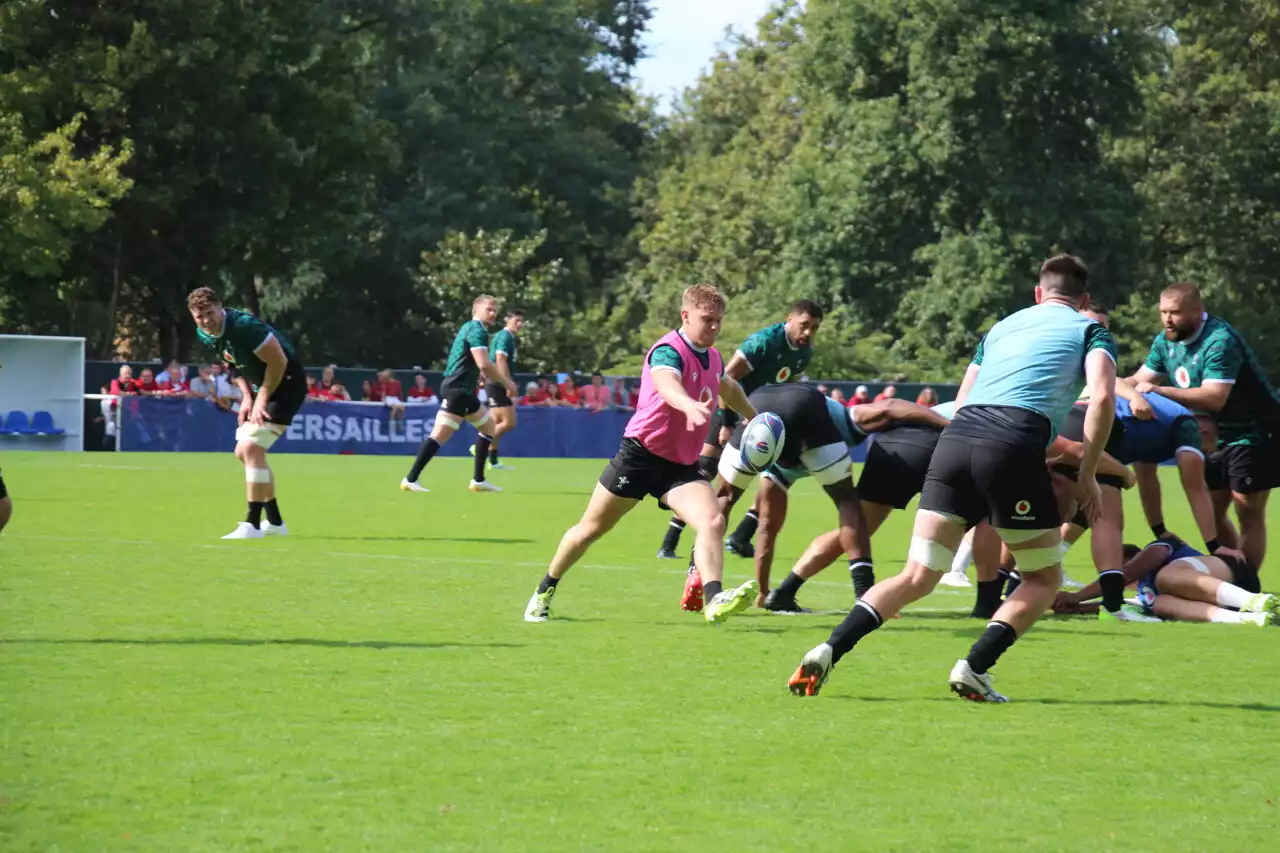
(368,684)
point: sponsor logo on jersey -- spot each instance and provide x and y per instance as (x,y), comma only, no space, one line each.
(1182,376)
(784,373)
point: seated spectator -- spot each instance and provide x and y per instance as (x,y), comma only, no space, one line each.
(314,391)
(860,395)
(327,380)
(531,392)
(125,384)
(928,397)
(889,392)
(553,396)
(370,392)
(227,394)
(596,396)
(202,385)
(420,390)
(626,396)
(392,391)
(147,383)
(174,375)
(837,395)
(338,392)
(569,395)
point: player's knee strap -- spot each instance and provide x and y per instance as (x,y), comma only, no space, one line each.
(934,556)
(1035,559)
(1011,536)
(447,419)
(480,418)
(1197,564)
(733,469)
(829,464)
(264,436)
(257,475)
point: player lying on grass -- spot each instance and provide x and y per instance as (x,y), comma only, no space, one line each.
(274,387)
(1177,582)
(812,420)
(682,378)
(776,354)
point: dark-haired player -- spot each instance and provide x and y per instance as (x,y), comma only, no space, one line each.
(989,464)
(274,386)
(1213,369)
(774,355)
(502,352)
(468,358)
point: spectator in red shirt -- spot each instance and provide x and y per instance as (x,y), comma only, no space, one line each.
(928,397)
(889,392)
(173,377)
(371,391)
(147,384)
(626,396)
(314,391)
(837,395)
(569,395)
(860,395)
(390,386)
(420,390)
(125,384)
(596,396)
(338,392)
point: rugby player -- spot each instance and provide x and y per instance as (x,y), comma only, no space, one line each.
(989,463)
(1178,582)
(6,504)
(274,386)
(468,358)
(682,379)
(502,352)
(776,354)
(1214,370)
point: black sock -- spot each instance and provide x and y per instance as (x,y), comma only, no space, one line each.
(483,443)
(493,456)
(863,576)
(746,528)
(671,540)
(547,583)
(273,512)
(862,620)
(994,642)
(1112,583)
(425,452)
(1013,582)
(710,590)
(790,585)
(254,515)
(987,601)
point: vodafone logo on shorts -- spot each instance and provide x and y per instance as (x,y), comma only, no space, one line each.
(1022,511)
(784,374)
(1183,377)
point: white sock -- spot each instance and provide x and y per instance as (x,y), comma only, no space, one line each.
(1231,617)
(964,556)
(1230,595)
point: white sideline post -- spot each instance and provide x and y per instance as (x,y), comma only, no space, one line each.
(43,373)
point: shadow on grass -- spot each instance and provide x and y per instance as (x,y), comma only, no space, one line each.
(245,641)
(483,540)
(1096,703)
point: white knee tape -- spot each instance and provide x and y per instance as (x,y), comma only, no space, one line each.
(257,475)
(443,418)
(1197,564)
(480,418)
(1035,559)
(264,436)
(945,516)
(730,468)
(1012,537)
(934,556)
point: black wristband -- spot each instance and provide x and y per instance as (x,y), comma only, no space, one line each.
(1159,530)
(1212,545)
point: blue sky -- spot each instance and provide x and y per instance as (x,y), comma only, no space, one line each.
(684,35)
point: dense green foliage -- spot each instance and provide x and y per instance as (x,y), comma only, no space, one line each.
(356,169)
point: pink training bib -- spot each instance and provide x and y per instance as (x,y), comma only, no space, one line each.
(661,429)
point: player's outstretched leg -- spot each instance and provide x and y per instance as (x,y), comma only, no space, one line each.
(603,512)
(483,422)
(696,503)
(259,485)
(933,543)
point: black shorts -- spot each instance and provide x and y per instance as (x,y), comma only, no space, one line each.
(288,397)
(897,463)
(803,410)
(726,418)
(976,479)
(1103,479)
(498,398)
(460,404)
(634,472)
(1244,468)
(1073,428)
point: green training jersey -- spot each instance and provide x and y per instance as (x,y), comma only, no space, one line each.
(1217,353)
(241,336)
(504,342)
(462,373)
(773,358)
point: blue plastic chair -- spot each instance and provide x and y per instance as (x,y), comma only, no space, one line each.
(15,423)
(42,424)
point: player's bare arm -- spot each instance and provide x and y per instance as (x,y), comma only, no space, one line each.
(873,417)
(491,370)
(735,398)
(504,370)
(970,377)
(738,367)
(1210,397)
(1100,379)
(669,387)
(273,356)
(246,395)
(1067,452)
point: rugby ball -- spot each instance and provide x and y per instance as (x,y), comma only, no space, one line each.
(762,441)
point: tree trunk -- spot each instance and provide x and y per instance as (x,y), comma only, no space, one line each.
(107,350)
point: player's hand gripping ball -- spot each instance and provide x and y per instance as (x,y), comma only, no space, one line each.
(762,441)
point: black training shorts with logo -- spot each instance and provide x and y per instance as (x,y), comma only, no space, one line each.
(897,464)
(990,464)
(634,472)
